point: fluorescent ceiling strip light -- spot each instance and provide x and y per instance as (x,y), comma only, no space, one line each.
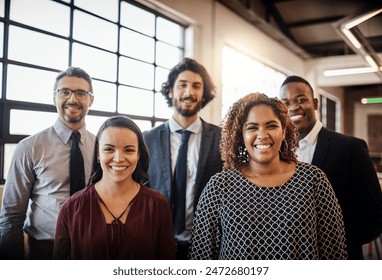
(361,19)
(371,61)
(349,71)
(351,38)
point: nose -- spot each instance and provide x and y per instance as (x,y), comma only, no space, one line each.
(261,134)
(72,97)
(118,156)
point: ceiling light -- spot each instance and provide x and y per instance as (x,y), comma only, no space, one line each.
(349,71)
(371,100)
(350,24)
(351,38)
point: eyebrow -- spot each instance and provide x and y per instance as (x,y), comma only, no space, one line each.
(268,122)
(187,81)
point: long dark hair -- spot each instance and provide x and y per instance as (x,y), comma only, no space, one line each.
(140,173)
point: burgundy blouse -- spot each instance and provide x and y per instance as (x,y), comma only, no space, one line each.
(82,232)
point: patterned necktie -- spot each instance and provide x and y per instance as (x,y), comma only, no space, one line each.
(180,180)
(77,172)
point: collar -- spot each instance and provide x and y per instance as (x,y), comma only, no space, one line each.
(65,132)
(195,127)
(312,135)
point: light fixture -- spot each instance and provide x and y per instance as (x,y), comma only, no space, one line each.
(348,30)
(349,71)
(371,100)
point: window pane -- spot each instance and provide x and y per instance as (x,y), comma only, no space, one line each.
(137,45)
(93,123)
(95,31)
(43,14)
(37,85)
(97,63)
(8,154)
(160,77)
(137,19)
(107,9)
(135,101)
(47,50)
(167,56)
(136,73)
(169,32)
(143,125)
(104,96)
(161,108)
(1,37)
(1,8)
(37,121)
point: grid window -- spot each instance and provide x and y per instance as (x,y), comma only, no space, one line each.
(127,49)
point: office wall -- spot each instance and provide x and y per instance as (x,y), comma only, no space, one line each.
(213,26)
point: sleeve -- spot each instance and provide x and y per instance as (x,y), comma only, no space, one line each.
(62,243)
(366,195)
(330,224)
(16,194)
(166,239)
(205,234)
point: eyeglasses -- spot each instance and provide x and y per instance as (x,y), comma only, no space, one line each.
(65,93)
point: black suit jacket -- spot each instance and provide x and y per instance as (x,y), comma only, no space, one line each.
(160,173)
(349,168)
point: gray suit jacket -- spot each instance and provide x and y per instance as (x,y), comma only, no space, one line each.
(160,175)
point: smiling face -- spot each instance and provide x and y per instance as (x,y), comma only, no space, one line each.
(301,106)
(72,111)
(118,154)
(263,135)
(187,93)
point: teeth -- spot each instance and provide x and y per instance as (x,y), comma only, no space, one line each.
(296,117)
(118,168)
(263,147)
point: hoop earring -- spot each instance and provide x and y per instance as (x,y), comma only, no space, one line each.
(243,155)
(285,144)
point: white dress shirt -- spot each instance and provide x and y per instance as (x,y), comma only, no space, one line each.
(307,145)
(192,163)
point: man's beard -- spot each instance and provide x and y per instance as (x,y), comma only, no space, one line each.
(187,112)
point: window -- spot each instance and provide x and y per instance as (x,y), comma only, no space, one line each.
(126,47)
(242,75)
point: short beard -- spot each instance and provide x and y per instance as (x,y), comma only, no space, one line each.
(187,112)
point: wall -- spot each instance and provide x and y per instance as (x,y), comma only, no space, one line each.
(212,26)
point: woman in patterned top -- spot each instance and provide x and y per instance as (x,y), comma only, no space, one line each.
(265,205)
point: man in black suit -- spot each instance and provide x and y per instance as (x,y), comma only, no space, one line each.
(188,89)
(344,159)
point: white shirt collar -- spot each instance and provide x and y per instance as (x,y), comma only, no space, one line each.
(195,127)
(311,138)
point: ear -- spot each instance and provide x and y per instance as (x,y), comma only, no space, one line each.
(315,102)
(91,101)
(170,94)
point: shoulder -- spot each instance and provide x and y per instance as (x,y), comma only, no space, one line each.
(152,194)
(79,198)
(211,127)
(154,131)
(340,138)
(308,170)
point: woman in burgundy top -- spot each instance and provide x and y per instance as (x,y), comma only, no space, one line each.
(116,216)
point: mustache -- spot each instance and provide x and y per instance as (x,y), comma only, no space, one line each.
(189,98)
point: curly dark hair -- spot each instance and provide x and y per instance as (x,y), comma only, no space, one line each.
(140,173)
(193,66)
(232,134)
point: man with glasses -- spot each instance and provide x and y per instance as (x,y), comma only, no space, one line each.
(46,169)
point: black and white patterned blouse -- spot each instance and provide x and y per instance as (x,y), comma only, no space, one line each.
(301,219)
